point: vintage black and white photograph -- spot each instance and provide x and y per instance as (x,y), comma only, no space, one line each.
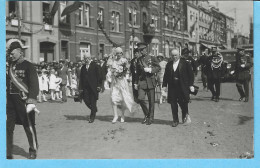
(165,79)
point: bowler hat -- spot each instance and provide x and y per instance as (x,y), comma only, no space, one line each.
(141,45)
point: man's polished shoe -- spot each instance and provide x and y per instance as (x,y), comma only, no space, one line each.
(175,123)
(246,99)
(217,99)
(149,122)
(32,155)
(241,98)
(91,120)
(144,120)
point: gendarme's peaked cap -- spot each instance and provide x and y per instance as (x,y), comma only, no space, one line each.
(141,45)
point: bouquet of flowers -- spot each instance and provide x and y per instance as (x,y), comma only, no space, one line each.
(120,68)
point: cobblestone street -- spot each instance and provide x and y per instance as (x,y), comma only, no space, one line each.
(218,130)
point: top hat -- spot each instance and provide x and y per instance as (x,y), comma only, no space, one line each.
(240,49)
(214,48)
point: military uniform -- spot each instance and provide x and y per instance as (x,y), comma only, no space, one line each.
(214,75)
(146,82)
(243,75)
(25,73)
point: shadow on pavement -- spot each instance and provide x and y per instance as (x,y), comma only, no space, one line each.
(19,151)
(109,118)
(243,119)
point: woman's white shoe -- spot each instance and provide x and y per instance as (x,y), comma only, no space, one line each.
(114,120)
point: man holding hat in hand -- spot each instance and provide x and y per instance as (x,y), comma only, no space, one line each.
(145,83)
(243,65)
(22,90)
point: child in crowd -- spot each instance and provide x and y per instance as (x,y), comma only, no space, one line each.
(40,79)
(45,84)
(74,83)
(52,83)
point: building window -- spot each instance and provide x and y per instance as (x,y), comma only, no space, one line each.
(167,49)
(81,15)
(12,9)
(132,45)
(115,21)
(154,21)
(46,17)
(134,17)
(130,16)
(86,11)
(84,50)
(166,21)
(64,49)
(101,50)
(155,49)
(173,22)
(179,25)
(101,16)
(66,18)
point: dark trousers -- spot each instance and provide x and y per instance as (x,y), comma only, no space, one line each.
(204,79)
(16,113)
(178,98)
(243,92)
(151,99)
(214,87)
(90,101)
(63,90)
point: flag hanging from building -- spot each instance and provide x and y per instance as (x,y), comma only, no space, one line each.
(210,27)
(71,7)
(54,7)
(176,23)
(192,28)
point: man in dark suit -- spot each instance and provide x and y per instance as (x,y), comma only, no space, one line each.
(243,76)
(215,70)
(203,62)
(146,70)
(186,54)
(63,73)
(104,70)
(133,72)
(90,85)
(179,78)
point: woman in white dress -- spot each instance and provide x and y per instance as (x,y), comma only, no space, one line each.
(120,94)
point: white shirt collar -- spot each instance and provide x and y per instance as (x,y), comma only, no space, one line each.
(175,64)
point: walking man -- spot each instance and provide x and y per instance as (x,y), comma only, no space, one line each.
(133,66)
(22,90)
(145,83)
(64,74)
(90,84)
(214,71)
(179,79)
(243,76)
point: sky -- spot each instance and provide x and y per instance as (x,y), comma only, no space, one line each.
(244,9)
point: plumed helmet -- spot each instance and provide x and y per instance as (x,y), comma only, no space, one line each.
(14,44)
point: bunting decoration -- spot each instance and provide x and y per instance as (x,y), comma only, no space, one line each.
(70,7)
(54,7)
(100,25)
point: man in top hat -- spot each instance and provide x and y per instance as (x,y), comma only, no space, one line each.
(215,69)
(186,55)
(243,76)
(133,69)
(179,79)
(90,84)
(64,74)
(146,70)
(22,90)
